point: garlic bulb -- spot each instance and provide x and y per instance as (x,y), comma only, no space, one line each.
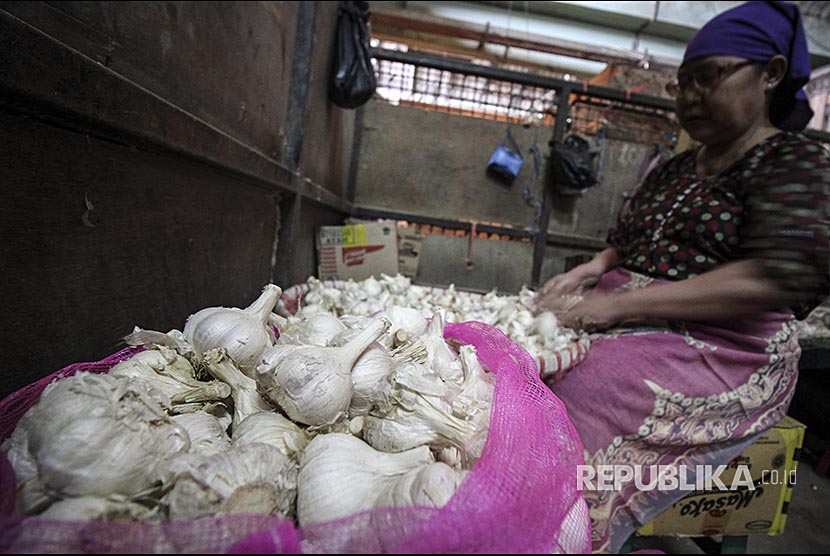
(406,323)
(546,324)
(476,395)
(370,377)
(250,479)
(313,385)
(244,333)
(169,377)
(392,435)
(32,495)
(246,399)
(441,358)
(341,475)
(422,419)
(271,428)
(432,486)
(96,508)
(372,287)
(319,329)
(92,434)
(207,435)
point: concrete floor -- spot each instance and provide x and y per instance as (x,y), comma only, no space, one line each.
(808,521)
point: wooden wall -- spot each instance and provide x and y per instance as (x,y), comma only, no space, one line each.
(151,154)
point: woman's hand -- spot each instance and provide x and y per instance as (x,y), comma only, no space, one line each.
(562,291)
(595,313)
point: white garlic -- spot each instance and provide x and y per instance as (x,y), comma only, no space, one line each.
(249,479)
(96,508)
(271,428)
(207,435)
(246,399)
(313,385)
(441,358)
(432,485)
(169,377)
(319,329)
(370,377)
(406,323)
(244,333)
(341,475)
(92,434)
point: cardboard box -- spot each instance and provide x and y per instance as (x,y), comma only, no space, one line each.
(409,251)
(357,251)
(771,463)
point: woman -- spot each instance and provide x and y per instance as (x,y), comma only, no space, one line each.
(695,296)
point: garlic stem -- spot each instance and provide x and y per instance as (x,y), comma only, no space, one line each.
(246,399)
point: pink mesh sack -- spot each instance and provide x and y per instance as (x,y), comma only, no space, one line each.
(520,496)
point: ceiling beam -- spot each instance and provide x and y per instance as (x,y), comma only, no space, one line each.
(389,20)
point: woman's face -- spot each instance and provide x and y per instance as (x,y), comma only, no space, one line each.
(720,98)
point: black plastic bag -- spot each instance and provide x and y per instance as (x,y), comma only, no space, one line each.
(352,77)
(573,165)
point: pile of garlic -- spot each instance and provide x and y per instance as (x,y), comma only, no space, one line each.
(540,335)
(332,416)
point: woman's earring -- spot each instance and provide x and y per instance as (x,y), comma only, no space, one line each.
(769,84)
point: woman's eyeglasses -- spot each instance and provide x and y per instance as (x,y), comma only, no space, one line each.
(705,76)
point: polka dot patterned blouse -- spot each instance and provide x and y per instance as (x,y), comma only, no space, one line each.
(771,205)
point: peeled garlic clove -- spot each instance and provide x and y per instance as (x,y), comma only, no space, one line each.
(244,333)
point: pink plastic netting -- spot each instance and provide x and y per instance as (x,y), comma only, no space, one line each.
(520,496)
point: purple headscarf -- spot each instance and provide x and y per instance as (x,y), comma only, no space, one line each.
(759,31)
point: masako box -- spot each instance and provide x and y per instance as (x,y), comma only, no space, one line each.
(357,251)
(771,463)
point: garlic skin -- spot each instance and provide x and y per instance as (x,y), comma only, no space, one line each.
(246,399)
(271,428)
(250,479)
(169,378)
(92,434)
(207,435)
(341,475)
(313,385)
(244,333)
(96,508)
